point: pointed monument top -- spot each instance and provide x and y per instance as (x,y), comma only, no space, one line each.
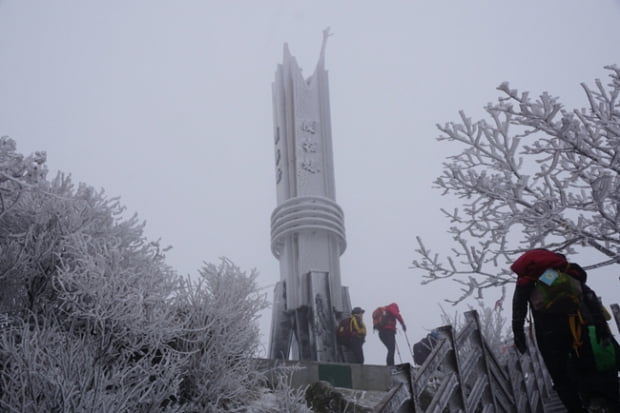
(290,59)
(326,35)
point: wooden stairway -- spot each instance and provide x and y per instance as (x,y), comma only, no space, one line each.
(553,405)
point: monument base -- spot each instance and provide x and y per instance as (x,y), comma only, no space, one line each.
(308,333)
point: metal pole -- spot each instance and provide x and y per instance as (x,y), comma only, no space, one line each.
(409,345)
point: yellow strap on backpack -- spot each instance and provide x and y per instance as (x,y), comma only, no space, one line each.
(576,323)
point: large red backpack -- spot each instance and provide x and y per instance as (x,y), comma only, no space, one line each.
(379,318)
(555,291)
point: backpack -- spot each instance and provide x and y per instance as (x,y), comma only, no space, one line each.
(379,318)
(343,332)
(556,292)
(423,348)
(604,352)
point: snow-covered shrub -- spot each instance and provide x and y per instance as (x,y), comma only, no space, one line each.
(94,320)
(21,254)
(87,299)
(494,326)
(279,395)
(218,314)
(46,369)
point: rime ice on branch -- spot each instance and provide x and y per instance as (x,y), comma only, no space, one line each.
(531,175)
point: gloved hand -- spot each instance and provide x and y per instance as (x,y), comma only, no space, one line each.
(404,327)
(520,342)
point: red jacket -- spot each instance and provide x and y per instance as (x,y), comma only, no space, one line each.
(393,314)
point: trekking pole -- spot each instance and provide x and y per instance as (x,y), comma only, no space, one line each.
(398,351)
(408,344)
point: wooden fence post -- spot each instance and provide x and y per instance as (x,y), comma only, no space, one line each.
(462,374)
(498,391)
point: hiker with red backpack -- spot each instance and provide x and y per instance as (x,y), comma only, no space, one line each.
(384,320)
(557,296)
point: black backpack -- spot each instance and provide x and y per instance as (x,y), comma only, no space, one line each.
(423,348)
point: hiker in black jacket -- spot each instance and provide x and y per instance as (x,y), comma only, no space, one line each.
(559,335)
(423,348)
(595,383)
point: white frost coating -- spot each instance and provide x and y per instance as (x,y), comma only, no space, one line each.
(533,174)
(308,231)
(306,214)
(307,226)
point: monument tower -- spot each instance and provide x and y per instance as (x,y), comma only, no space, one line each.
(307,226)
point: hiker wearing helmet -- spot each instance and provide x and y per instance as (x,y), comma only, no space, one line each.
(555,291)
(384,320)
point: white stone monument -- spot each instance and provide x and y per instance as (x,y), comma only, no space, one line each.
(307,226)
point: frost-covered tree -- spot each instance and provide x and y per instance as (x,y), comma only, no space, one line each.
(84,298)
(493,323)
(21,180)
(92,319)
(224,304)
(533,174)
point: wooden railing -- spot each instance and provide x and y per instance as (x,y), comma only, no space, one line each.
(463,375)
(615,310)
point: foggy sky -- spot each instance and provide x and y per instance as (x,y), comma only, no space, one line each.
(168,105)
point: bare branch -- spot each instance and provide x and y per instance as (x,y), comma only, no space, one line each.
(532,175)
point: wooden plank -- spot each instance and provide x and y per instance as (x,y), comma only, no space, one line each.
(444,394)
(469,365)
(394,399)
(465,333)
(433,363)
(475,394)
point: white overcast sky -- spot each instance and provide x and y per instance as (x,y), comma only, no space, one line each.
(167,104)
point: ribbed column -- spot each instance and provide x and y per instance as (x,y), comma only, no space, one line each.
(306,213)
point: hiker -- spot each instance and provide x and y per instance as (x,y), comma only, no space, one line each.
(351,333)
(542,275)
(384,320)
(358,335)
(597,364)
(423,348)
